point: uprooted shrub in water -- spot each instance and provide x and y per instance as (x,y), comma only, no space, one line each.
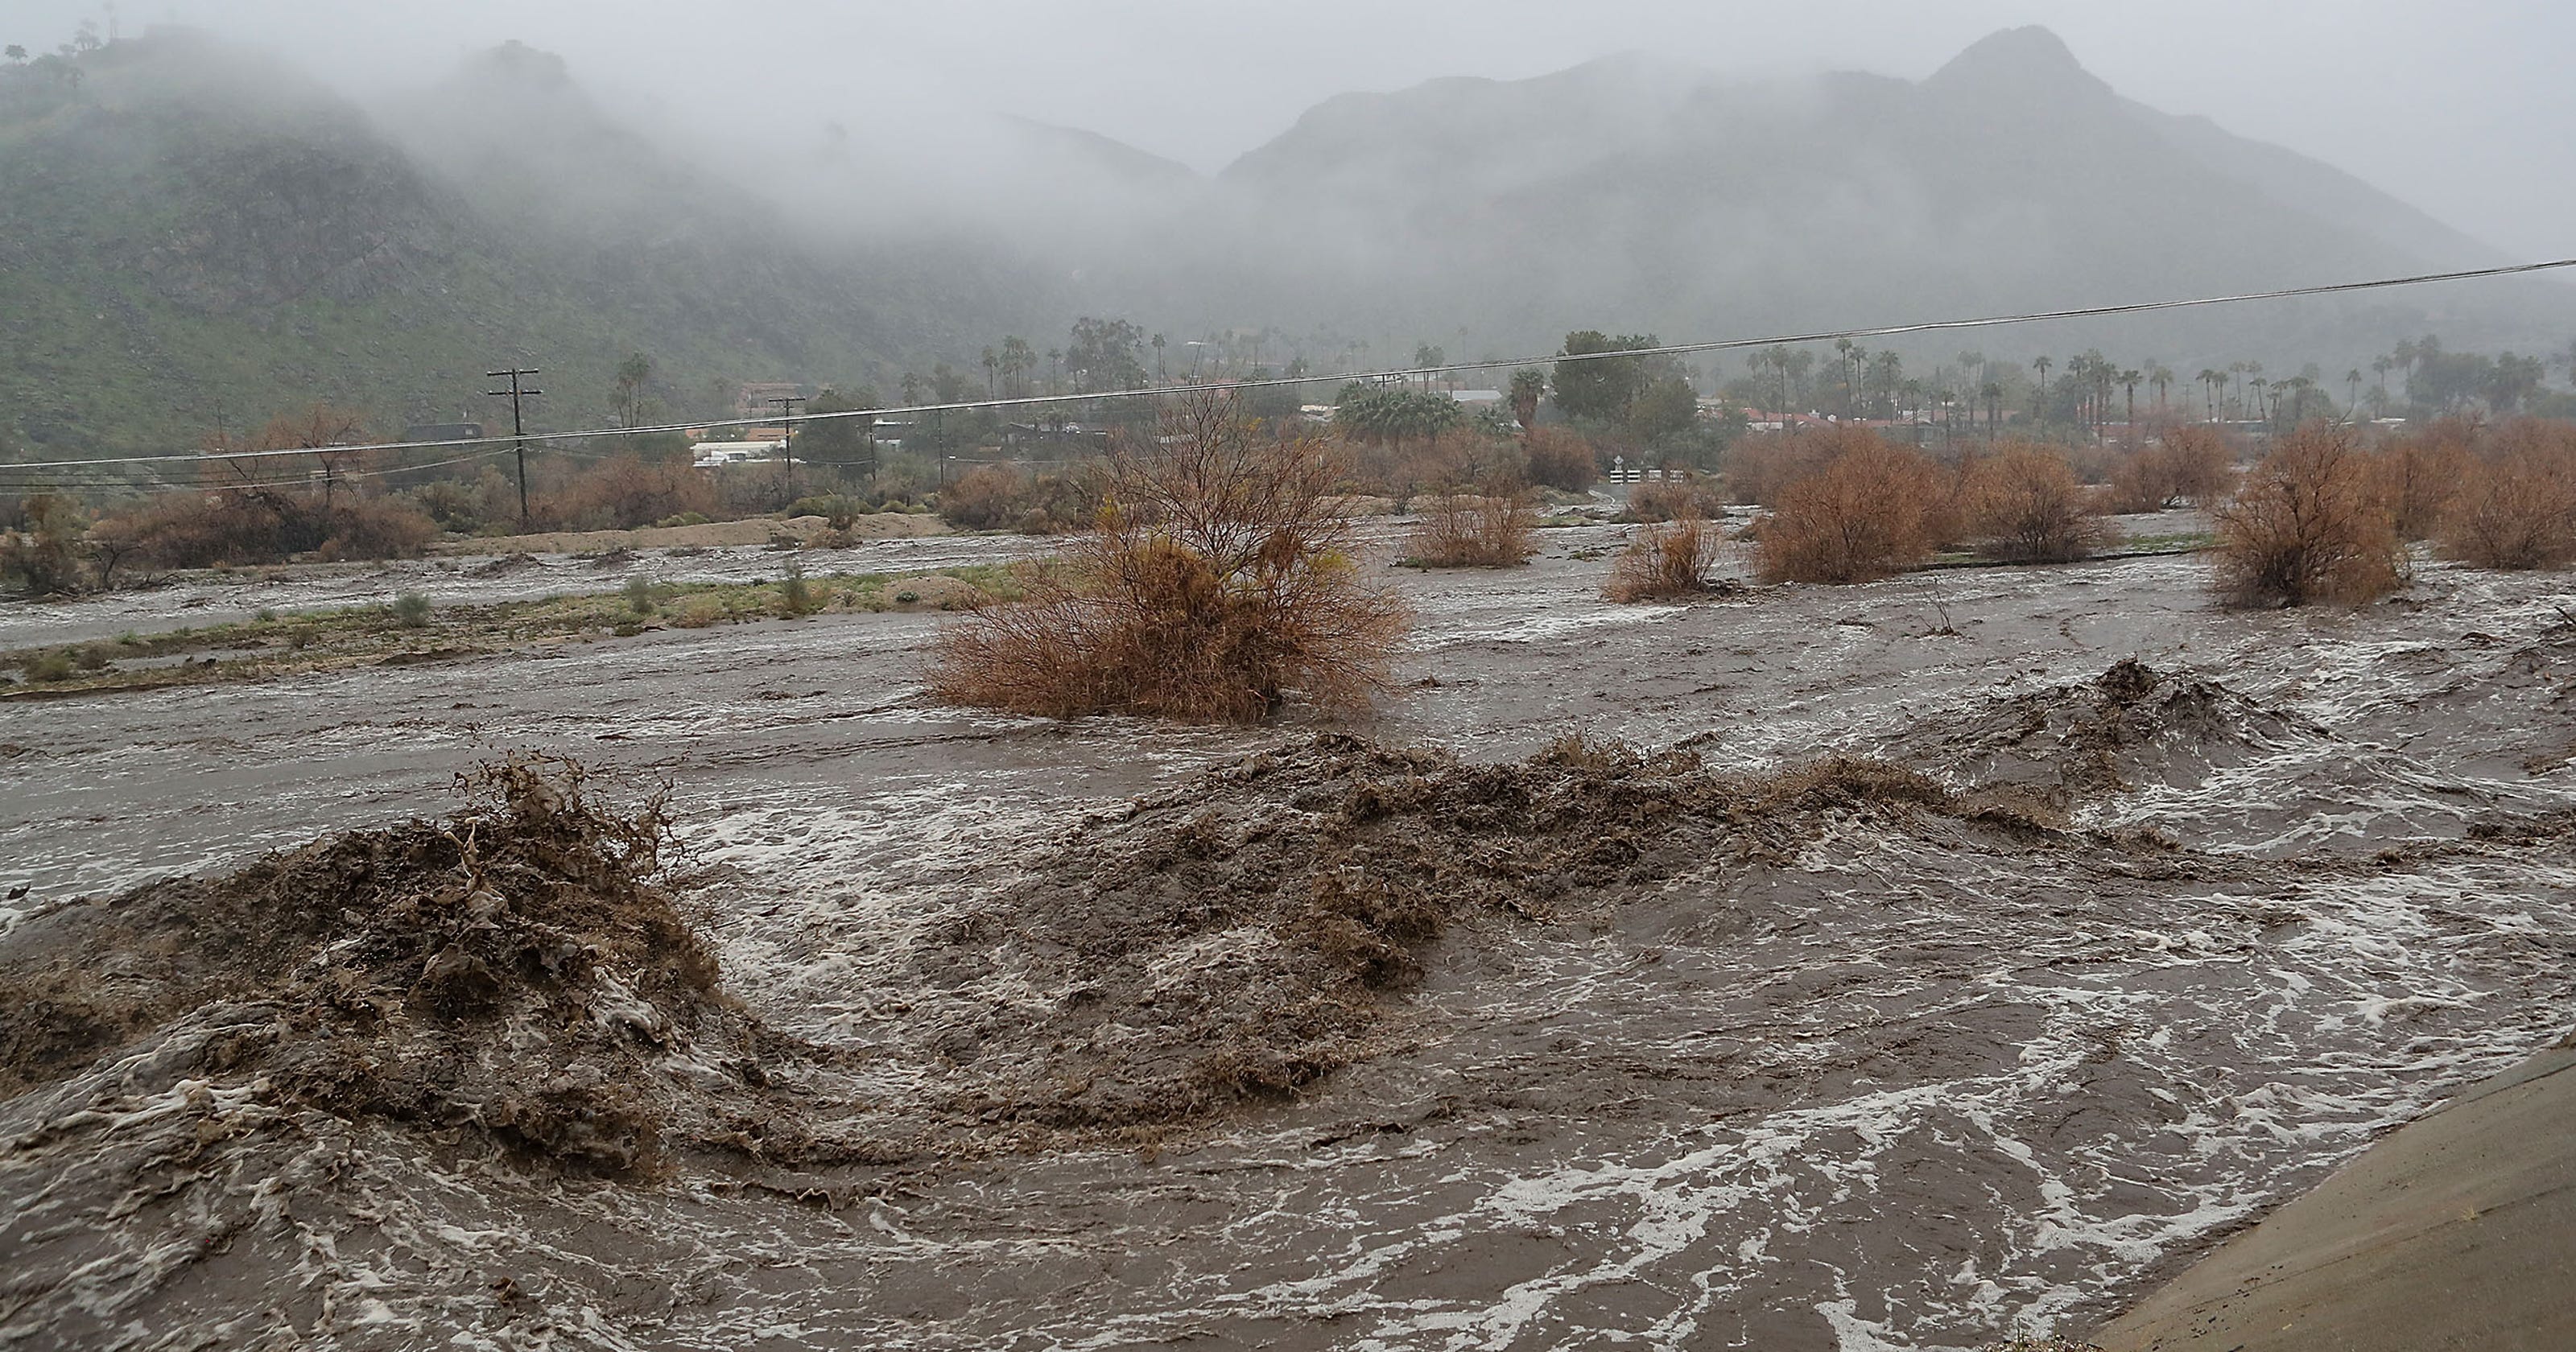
(376,973)
(1669,561)
(1217,582)
(2310,525)
(2516,504)
(1493,527)
(1874,509)
(2024,505)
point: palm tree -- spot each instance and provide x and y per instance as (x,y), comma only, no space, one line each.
(992,373)
(1054,355)
(1843,358)
(2131,378)
(2161,377)
(1160,376)
(1994,393)
(2042,366)
(2352,378)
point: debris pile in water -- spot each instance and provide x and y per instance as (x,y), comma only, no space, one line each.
(512,970)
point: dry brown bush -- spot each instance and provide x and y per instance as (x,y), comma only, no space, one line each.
(1218,582)
(266,525)
(1493,527)
(1557,458)
(1875,509)
(2420,476)
(2202,464)
(2309,525)
(1758,468)
(1668,561)
(1674,498)
(2024,504)
(983,498)
(2516,506)
(626,491)
(2189,464)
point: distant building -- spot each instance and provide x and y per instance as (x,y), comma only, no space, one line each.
(714,454)
(455,431)
(1478,398)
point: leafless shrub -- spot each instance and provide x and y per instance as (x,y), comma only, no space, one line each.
(2309,525)
(2420,476)
(1668,561)
(1218,582)
(1558,458)
(1759,467)
(983,498)
(1491,528)
(627,491)
(2516,506)
(267,525)
(2188,464)
(1874,509)
(2024,504)
(1673,498)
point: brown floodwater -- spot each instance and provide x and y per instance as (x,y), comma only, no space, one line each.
(1924,1085)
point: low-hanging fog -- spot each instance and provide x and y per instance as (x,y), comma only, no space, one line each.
(2459,108)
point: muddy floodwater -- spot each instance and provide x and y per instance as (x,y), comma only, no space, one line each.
(2276,883)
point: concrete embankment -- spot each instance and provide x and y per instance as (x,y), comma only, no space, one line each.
(2456,1232)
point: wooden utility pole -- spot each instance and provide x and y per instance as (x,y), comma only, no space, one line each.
(786,406)
(518,426)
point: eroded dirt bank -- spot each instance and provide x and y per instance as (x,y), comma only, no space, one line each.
(1104,1036)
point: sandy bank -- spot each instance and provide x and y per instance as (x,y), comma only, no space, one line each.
(759,530)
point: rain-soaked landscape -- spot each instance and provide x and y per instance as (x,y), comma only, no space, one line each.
(1914,964)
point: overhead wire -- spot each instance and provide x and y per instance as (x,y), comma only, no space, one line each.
(503,443)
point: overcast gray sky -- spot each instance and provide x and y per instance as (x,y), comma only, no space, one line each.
(2464,108)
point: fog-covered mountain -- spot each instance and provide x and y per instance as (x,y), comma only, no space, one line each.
(193,236)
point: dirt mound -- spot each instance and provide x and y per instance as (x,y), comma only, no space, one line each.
(1244,935)
(509,970)
(2129,725)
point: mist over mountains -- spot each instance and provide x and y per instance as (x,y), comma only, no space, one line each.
(195,236)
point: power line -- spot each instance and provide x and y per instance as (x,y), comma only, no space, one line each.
(1392,373)
(518,428)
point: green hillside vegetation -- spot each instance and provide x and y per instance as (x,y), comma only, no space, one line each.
(195,239)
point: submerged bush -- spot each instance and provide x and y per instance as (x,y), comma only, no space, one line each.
(2024,504)
(2309,525)
(1668,561)
(2516,505)
(1686,496)
(1217,582)
(1493,528)
(1873,510)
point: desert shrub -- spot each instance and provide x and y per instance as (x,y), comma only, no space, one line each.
(1218,580)
(1673,499)
(1554,457)
(2420,476)
(983,498)
(43,556)
(1493,527)
(795,594)
(2023,503)
(52,665)
(2310,524)
(411,609)
(2516,506)
(1874,509)
(378,528)
(1059,503)
(1664,562)
(639,595)
(2189,463)
(2200,465)
(264,525)
(627,491)
(1758,468)
(837,510)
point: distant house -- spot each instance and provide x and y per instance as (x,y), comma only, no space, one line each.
(715,454)
(455,431)
(1478,398)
